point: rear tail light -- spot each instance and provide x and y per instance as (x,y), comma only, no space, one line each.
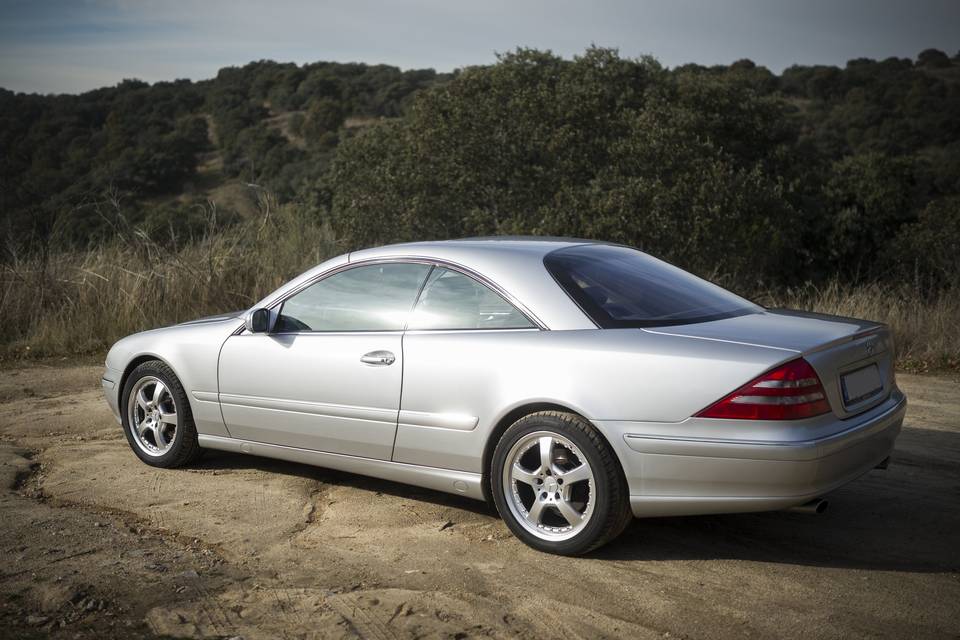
(789,392)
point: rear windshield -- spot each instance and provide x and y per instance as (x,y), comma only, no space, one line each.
(622,287)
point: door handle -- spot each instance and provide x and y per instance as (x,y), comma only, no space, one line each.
(379,358)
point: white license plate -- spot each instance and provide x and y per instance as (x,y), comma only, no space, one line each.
(861,384)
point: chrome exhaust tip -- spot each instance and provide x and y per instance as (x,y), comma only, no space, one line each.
(814,507)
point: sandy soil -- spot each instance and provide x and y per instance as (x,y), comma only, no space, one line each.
(97,545)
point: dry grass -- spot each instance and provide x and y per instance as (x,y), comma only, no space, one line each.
(926,330)
(76,303)
(81,302)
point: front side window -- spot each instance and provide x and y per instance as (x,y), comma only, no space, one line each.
(375,297)
(452,300)
(622,287)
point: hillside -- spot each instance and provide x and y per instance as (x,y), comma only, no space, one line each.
(167,150)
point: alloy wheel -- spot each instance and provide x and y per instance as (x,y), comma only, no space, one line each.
(153,416)
(549,485)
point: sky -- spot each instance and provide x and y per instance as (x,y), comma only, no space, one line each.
(69,46)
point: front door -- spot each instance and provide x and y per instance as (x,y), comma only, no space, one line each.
(328,377)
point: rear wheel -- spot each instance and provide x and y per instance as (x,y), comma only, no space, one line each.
(558,485)
(156,417)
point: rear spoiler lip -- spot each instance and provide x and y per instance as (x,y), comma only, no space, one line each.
(853,337)
(867,327)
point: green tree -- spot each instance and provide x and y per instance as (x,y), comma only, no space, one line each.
(927,251)
(324,115)
(870,197)
(933,58)
(600,146)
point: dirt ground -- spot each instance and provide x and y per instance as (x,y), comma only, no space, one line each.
(96,544)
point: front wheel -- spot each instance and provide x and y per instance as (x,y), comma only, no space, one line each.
(156,417)
(558,485)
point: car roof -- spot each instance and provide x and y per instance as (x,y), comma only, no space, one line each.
(538,245)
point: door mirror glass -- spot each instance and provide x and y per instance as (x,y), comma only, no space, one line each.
(258,321)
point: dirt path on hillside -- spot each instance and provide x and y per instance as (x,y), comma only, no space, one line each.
(96,544)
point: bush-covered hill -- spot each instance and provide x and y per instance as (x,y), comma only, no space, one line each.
(733,171)
(162,150)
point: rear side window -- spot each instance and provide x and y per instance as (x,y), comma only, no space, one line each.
(376,297)
(452,300)
(622,287)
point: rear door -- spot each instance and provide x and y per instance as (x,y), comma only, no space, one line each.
(329,377)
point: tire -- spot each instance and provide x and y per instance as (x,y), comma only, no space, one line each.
(597,506)
(169,435)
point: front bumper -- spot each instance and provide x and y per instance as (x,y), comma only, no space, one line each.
(676,475)
(110,382)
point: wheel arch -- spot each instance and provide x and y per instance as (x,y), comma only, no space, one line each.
(516,413)
(136,362)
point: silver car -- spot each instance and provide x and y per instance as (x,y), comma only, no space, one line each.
(574,384)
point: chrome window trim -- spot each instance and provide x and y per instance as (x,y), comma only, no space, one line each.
(433,262)
(415,332)
(351,332)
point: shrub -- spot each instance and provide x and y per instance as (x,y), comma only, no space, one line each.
(599,147)
(927,252)
(82,301)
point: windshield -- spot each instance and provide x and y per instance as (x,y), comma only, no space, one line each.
(622,287)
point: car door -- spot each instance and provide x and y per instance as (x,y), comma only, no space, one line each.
(328,377)
(458,340)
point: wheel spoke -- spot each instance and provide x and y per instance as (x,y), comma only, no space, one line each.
(522,475)
(168,417)
(546,453)
(536,510)
(577,474)
(158,391)
(142,400)
(160,437)
(142,428)
(571,515)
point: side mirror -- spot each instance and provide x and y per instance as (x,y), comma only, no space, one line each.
(258,321)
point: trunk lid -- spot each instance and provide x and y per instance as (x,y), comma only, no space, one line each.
(853,358)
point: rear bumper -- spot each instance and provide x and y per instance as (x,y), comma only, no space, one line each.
(688,476)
